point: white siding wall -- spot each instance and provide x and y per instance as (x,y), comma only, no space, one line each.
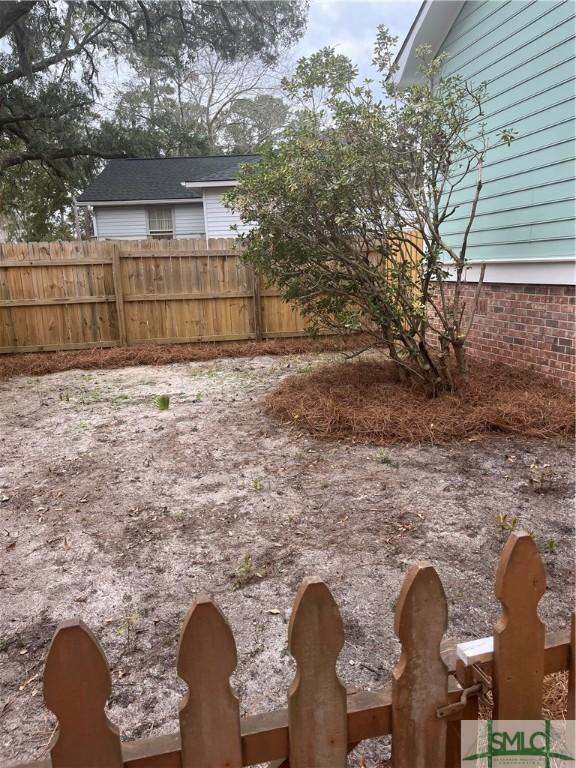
(219,219)
(121,223)
(189,220)
(130,222)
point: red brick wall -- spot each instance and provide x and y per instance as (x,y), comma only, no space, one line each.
(526,325)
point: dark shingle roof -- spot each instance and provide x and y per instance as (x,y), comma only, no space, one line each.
(161,178)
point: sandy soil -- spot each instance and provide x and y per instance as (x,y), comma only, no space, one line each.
(119,513)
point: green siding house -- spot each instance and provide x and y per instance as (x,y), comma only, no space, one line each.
(525,230)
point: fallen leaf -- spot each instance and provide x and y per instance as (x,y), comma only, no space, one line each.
(27,682)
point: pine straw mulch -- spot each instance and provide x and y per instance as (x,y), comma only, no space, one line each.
(554,699)
(39,363)
(364,402)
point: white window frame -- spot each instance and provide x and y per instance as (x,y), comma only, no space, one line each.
(160,234)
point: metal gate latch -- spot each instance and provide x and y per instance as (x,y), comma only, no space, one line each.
(451,709)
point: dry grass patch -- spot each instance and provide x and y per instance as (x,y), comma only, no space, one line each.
(554,699)
(364,402)
(39,363)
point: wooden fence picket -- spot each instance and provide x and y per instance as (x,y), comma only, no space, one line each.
(322,722)
(465,677)
(209,713)
(518,668)
(420,679)
(77,685)
(571,714)
(317,698)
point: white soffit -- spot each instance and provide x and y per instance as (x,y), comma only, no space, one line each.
(430,27)
(209,184)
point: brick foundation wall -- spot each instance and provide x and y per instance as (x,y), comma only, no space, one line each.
(526,325)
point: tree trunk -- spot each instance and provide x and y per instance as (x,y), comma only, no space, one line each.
(444,361)
(460,355)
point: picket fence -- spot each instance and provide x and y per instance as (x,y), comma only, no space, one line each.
(77,295)
(435,683)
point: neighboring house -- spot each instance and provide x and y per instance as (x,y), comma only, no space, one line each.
(525,228)
(164,198)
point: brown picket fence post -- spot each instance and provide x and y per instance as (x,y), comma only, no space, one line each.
(465,677)
(572,670)
(420,679)
(518,669)
(317,698)
(210,712)
(77,685)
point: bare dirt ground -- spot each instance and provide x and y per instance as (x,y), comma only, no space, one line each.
(119,513)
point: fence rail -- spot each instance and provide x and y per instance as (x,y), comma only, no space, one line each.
(102,294)
(421,709)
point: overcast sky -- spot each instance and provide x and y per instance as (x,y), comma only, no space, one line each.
(350,26)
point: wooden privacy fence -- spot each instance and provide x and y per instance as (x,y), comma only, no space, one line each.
(107,293)
(435,684)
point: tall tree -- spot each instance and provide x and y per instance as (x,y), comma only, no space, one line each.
(51,58)
(145,124)
(201,99)
(216,88)
(55,52)
(252,122)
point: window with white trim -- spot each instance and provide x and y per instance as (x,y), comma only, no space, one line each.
(161,223)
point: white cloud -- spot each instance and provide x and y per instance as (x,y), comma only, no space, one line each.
(350,27)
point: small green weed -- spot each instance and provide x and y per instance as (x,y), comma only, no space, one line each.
(382,457)
(127,629)
(542,477)
(258,485)
(246,574)
(506,522)
(162,402)
(551,546)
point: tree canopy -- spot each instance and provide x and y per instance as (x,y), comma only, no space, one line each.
(55,56)
(349,210)
(196,103)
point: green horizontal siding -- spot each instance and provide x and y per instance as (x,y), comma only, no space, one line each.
(512,38)
(550,189)
(488,217)
(525,51)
